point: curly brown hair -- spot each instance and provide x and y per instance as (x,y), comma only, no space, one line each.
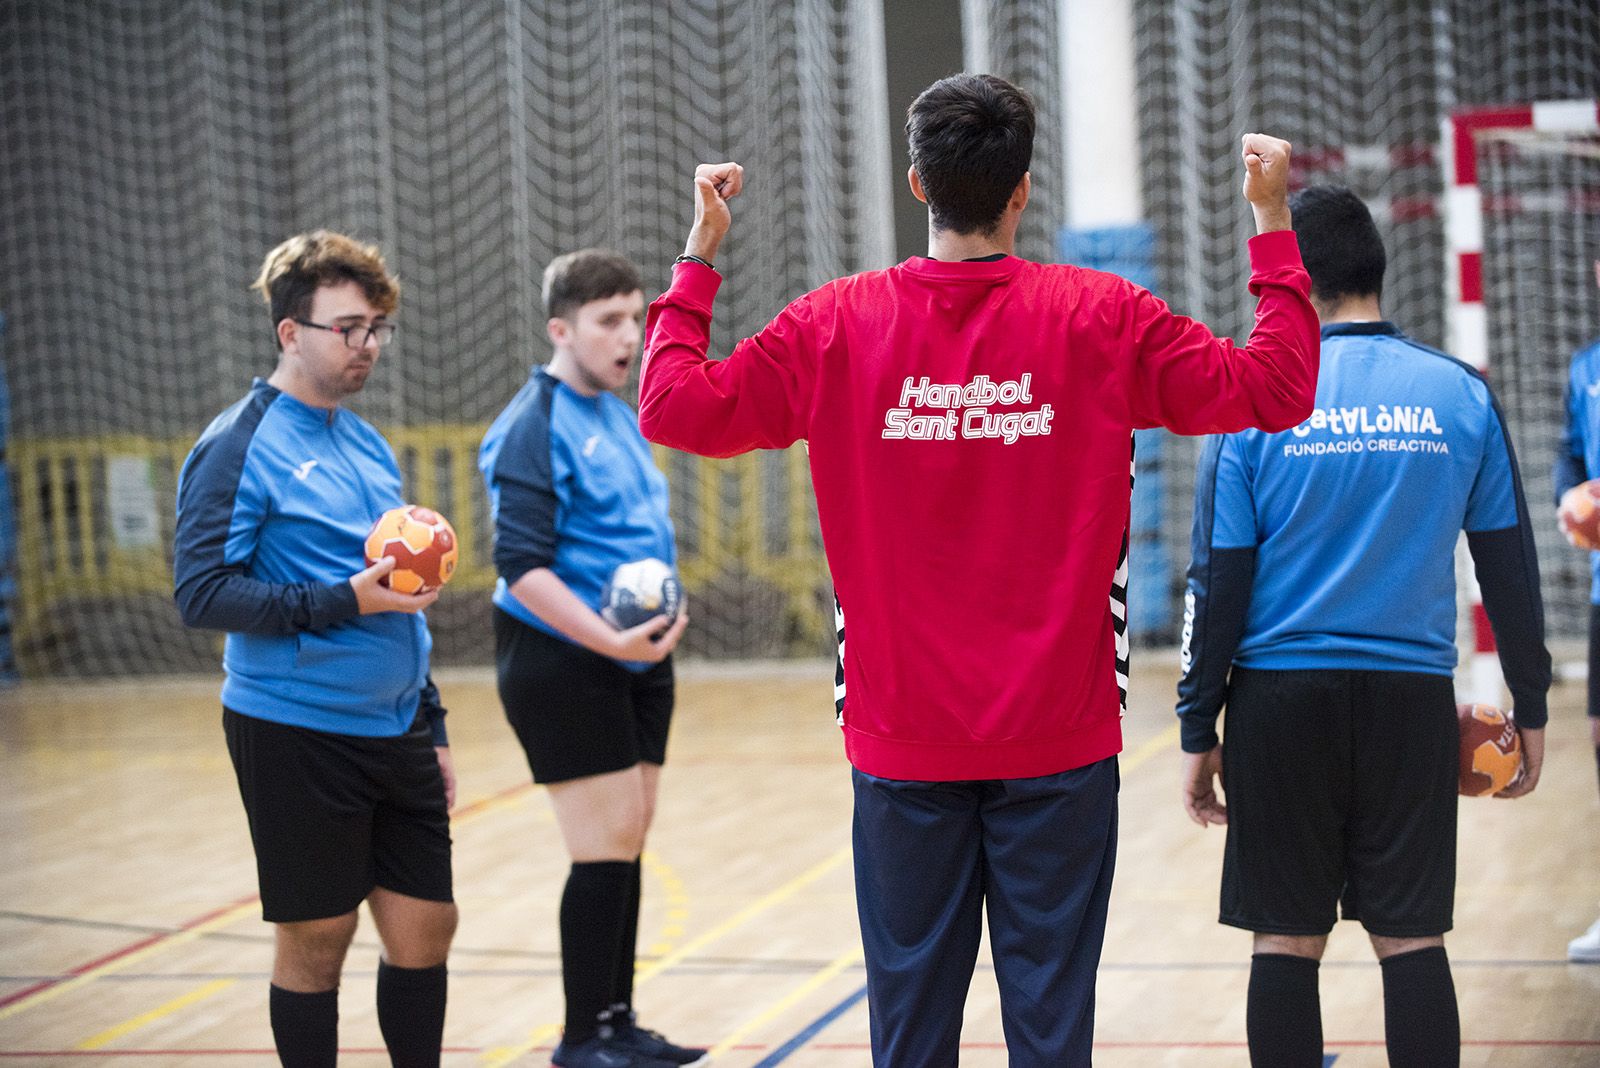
(296,269)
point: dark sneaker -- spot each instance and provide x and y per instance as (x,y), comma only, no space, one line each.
(622,1029)
(604,1051)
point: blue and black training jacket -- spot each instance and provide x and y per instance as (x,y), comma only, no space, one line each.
(274,504)
(1332,545)
(1579,458)
(572,487)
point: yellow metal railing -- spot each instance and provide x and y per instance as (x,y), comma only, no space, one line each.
(68,551)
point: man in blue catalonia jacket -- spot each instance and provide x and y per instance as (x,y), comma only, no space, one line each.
(1321,609)
(333,724)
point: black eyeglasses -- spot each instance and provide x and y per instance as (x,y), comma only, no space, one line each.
(355,337)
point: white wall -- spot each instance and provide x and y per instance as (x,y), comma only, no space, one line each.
(1102,132)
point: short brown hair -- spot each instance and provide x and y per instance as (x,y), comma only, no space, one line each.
(573,280)
(296,269)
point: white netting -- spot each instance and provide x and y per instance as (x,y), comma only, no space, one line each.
(1541,241)
(1019,40)
(150,154)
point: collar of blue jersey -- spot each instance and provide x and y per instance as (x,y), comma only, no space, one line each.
(308,413)
(1375,326)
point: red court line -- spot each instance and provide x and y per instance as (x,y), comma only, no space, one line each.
(1332,1045)
(842,1047)
(155,939)
(134,947)
(484,802)
(195,1052)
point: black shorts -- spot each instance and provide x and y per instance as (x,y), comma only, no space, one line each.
(1341,790)
(333,816)
(1594,660)
(578,713)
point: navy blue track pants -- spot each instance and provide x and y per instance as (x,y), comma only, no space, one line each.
(1039,853)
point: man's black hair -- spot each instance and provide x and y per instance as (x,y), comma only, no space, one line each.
(1339,243)
(971,140)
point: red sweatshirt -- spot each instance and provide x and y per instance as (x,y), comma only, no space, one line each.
(969,428)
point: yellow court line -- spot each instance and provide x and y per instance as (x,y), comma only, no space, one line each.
(1139,756)
(503,1055)
(788,1001)
(498,1056)
(108,968)
(744,915)
(111,1034)
(677,902)
(1149,749)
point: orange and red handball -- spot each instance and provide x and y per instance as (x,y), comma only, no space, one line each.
(1580,515)
(423,544)
(1491,750)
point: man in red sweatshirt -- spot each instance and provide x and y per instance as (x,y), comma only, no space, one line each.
(970,418)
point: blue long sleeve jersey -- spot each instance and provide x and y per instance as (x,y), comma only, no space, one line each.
(1332,545)
(1579,458)
(572,487)
(274,504)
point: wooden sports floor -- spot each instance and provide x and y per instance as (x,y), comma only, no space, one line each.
(130,932)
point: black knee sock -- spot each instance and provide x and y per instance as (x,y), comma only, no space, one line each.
(305,1027)
(1283,1012)
(593,909)
(411,1013)
(627,949)
(1597,760)
(1421,1024)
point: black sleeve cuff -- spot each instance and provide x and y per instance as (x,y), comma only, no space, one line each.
(1197,733)
(1508,576)
(333,603)
(512,566)
(1530,709)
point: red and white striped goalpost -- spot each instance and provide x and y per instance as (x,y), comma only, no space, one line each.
(1467,321)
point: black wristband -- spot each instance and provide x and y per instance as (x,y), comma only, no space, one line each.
(686,258)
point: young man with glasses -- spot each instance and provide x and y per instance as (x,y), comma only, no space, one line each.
(332,721)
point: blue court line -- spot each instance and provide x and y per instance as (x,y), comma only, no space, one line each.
(815,1027)
(811,1030)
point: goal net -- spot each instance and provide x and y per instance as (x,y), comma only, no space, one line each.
(1538,186)
(1361,89)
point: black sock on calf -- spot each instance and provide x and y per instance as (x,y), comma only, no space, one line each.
(1422,1026)
(593,911)
(1283,1012)
(627,949)
(411,1005)
(305,1027)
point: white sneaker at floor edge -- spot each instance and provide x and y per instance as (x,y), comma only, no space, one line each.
(1585,949)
